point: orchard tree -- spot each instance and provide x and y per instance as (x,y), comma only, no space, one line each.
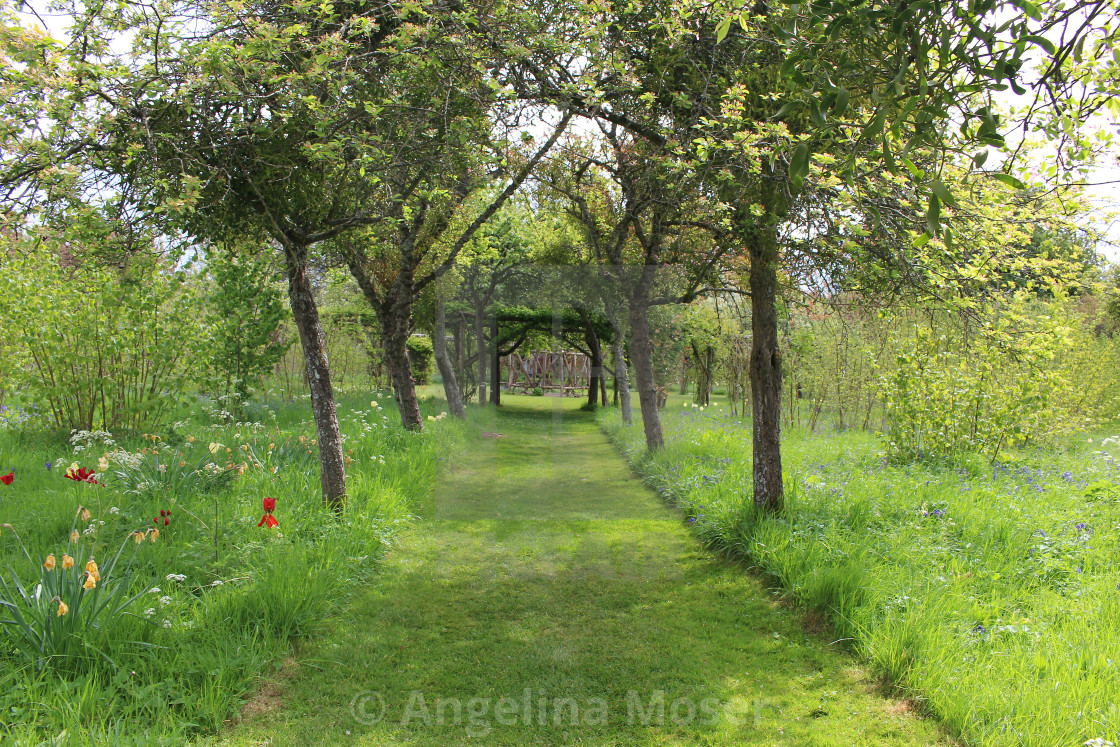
(771,102)
(638,217)
(297,125)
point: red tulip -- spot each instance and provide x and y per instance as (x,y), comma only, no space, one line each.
(81,475)
(268,519)
(7,479)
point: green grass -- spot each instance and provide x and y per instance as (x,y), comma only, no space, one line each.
(244,593)
(991,594)
(541,566)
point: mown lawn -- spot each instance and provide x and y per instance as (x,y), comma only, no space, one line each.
(546,597)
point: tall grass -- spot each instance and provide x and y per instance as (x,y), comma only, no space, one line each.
(991,593)
(220,598)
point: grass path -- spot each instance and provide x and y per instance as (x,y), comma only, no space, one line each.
(543,570)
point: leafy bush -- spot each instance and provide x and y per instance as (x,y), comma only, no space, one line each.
(421,355)
(109,346)
(243,322)
(946,397)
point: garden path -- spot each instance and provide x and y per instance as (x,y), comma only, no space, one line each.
(544,570)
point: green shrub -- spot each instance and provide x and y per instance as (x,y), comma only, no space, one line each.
(421,356)
(109,348)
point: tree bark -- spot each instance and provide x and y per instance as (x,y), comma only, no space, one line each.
(642,352)
(305,314)
(480,337)
(596,350)
(618,351)
(766,371)
(495,365)
(395,314)
(446,370)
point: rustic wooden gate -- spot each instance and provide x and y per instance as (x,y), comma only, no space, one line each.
(567,372)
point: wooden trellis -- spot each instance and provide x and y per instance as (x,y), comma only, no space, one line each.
(566,372)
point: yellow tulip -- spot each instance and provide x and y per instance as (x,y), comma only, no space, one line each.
(62,608)
(103,464)
(155,535)
(74,536)
(90,583)
(49,563)
(91,569)
(67,562)
(86,515)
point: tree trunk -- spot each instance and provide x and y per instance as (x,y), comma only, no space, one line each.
(305,314)
(495,365)
(618,351)
(596,350)
(480,337)
(643,369)
(766,371)
(394,314)
(446,370)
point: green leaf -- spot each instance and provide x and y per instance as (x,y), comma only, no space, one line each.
(914,170)
(1029,8)
(933,216)
(1008,180)
(888,157)
(788,68)
(943,193)
(841,103)
(922,240)
(1043,42)
(875,126)
(799,165)
(787,107)
(722,29)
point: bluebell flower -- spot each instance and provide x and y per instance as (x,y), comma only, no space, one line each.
(49,465)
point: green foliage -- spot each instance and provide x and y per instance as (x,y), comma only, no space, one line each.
(949,395)
(100,347)
(244,312)
(421,355)
(221,597)
(989,593)
(161,469)
(66,615)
